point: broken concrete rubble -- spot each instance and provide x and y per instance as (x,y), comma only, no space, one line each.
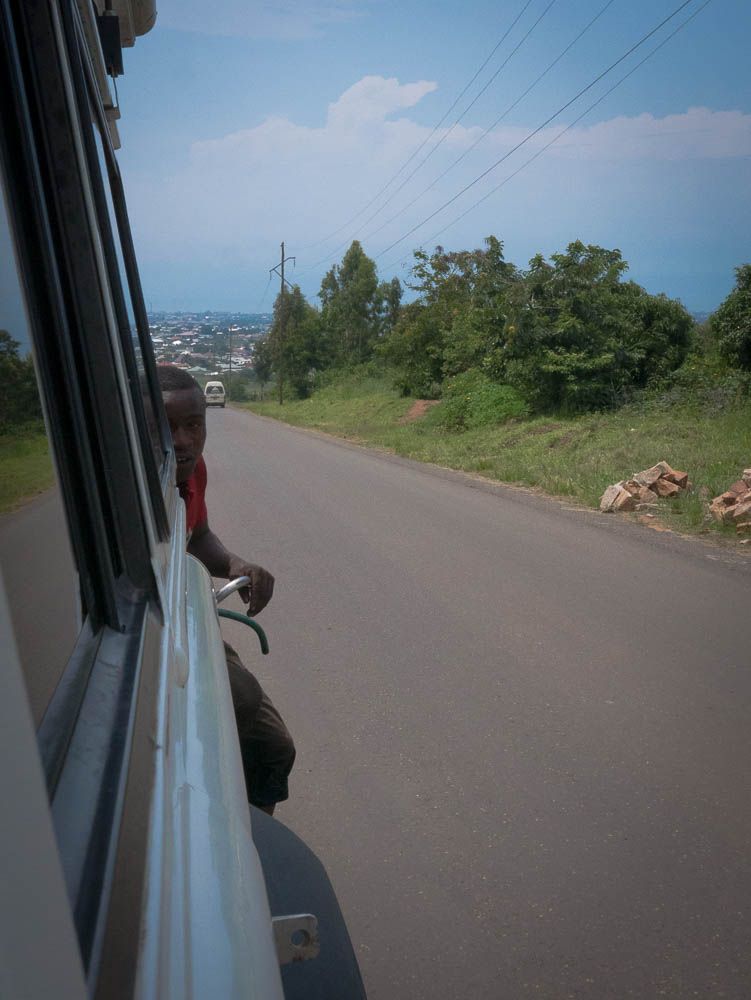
(642,491)
(742,511)
(734,505)
(665,488)
(611,494)
(648,477)
(644,488)
(679,478)
(624,501)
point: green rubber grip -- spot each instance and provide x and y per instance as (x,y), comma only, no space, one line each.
(237,617)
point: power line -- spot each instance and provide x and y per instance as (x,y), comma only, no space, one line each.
(568,127)
(424,160)
(468,108)
(424,141)
(539,128)
(494,125)
(258,307)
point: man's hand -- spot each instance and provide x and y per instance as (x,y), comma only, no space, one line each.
(258,595)
(205,545)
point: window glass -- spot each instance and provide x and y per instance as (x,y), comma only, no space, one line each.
(151,425)
(35,555)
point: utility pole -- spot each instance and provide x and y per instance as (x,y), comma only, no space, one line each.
(281,333)
(279,269)
(229,384)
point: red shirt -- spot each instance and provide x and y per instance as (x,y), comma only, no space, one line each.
(194,494)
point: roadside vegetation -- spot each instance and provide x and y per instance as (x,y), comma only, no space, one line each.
(563,377)
(25,466)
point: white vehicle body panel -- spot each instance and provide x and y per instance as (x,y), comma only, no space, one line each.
(35,912)
(207,926)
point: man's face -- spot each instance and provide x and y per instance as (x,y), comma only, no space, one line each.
(186,412)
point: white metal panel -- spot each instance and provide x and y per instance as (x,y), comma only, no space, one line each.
(39,955)
(207,928)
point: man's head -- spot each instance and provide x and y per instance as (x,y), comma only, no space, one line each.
(186,412)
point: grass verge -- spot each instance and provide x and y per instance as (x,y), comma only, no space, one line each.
(573,457)
(25,466)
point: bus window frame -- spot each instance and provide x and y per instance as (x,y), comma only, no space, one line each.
(52,346)
(159,479)
(86,368)
(99,451)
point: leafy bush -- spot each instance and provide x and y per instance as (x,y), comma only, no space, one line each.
(19,399)
(237,391)
(583,339)
(471,400)
(705,384)
(731,324)
(414,350)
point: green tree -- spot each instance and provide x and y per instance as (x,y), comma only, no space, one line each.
(238,389)
(388,304)
(414,347)
(459,318)
(580,337)
(262,361)
(731,324)
(296,342)
(349,308)
(19,399)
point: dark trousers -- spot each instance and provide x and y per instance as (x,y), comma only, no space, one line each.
(267,749)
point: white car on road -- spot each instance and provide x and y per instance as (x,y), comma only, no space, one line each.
(214,393)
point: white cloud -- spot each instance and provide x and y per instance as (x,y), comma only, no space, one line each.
(254,19)
(360,114)
(248,190)
(360,133)
(372,99)
(698,134)
(307,173)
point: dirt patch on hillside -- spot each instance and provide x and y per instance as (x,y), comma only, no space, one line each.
(419,410)
(566,439)
(545,429)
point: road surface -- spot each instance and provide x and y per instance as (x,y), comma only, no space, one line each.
(40,584)
(523,729)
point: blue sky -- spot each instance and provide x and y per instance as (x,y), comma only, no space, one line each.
(244,125)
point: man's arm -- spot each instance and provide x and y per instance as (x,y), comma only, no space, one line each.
(205,545)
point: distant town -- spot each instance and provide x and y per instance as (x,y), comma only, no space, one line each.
(207,343)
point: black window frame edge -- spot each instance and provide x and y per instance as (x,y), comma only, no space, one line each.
(57,134)
(86,735)
(157,479)
(53,351)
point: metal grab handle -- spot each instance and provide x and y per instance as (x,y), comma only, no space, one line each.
(237,617)
(231,587)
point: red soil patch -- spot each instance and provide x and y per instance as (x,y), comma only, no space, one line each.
(418,410)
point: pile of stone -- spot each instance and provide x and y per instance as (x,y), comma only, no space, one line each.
(734,505)
(643,489)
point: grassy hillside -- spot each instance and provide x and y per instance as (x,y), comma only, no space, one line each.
(574,457)
(25,465)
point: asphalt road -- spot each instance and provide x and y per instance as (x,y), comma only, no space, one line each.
(40,584)
(523,730)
